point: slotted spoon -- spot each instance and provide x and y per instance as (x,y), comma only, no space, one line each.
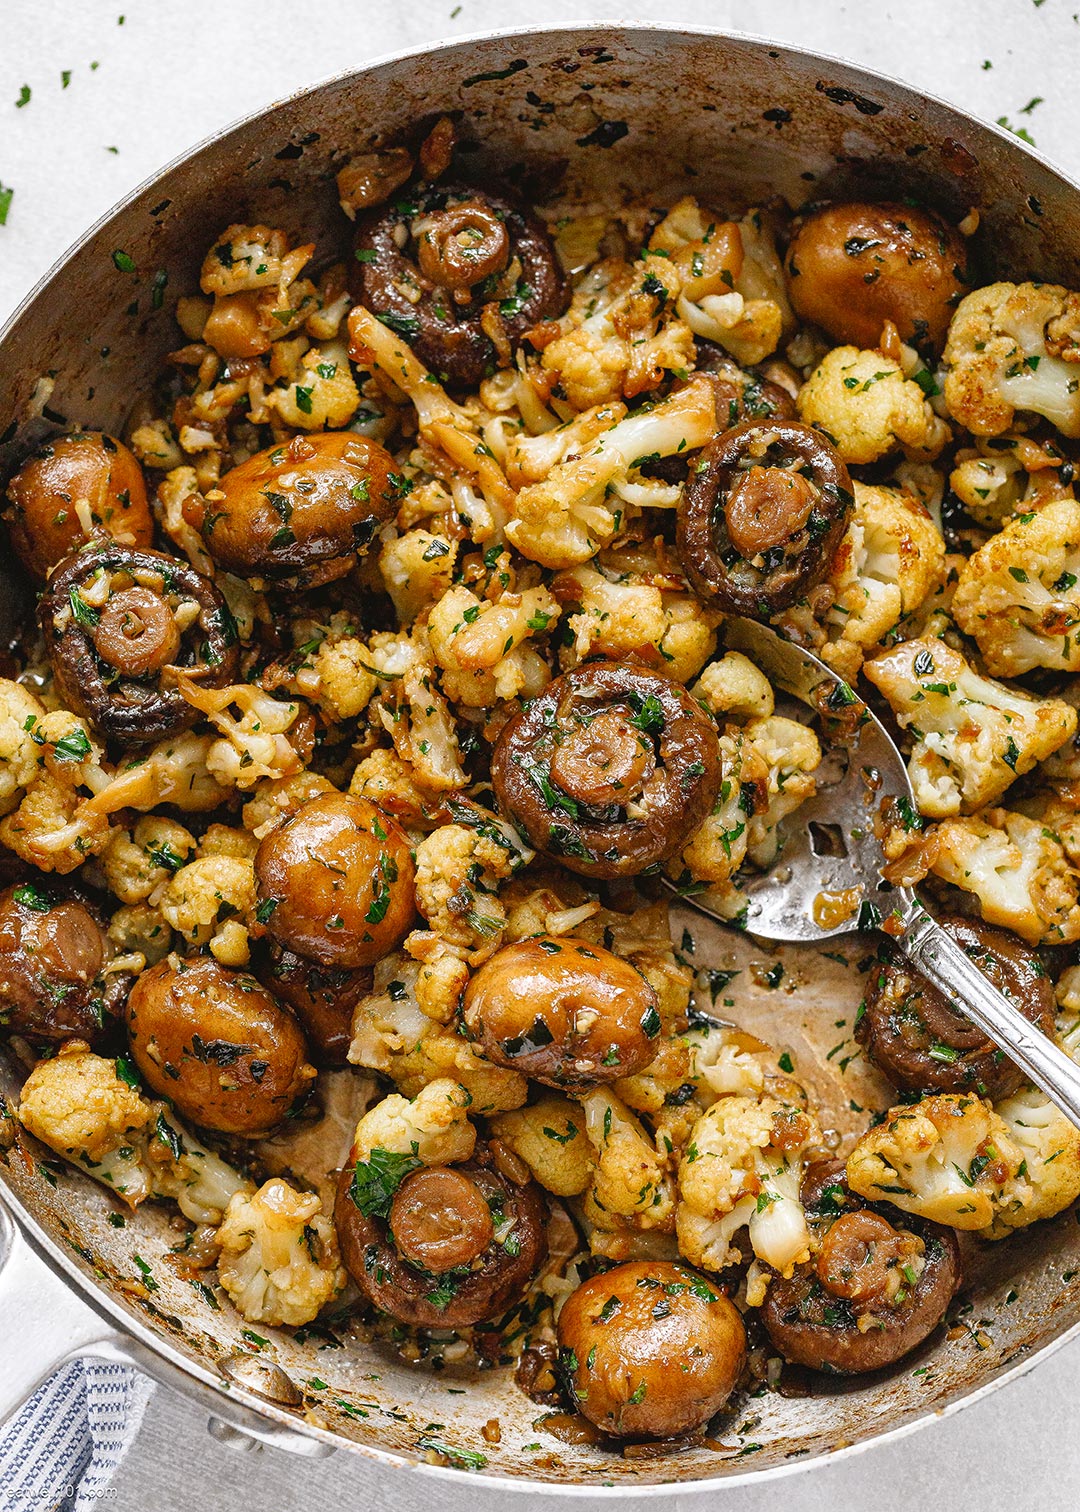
(828,877)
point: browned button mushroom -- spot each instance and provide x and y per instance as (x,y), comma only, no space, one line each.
(921,1042)
(762,515)
(118,622)
(444,1247)
(302,513)
(879,1284)
(440,1219)
(336,882)
(609,769)
(649,1349)
(444,266)
(76,485)
(562,1012)
(53,957)
(322,997)
(136,632)
(217,1045)
(852,267)
(462,246)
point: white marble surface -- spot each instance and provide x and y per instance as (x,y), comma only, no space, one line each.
(172,73)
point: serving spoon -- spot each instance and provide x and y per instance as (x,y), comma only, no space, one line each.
(828,878)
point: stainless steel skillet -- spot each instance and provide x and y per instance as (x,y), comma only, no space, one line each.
(633,111)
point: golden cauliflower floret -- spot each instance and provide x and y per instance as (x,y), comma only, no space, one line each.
(744,1165)
(1050,1146)
(386,780)
(20,755)
(479,643)
(1014,347)
(1005,475)
(458,872)
(54,828)
(341,681)
(227,840)
(732,289)
(434,1126)
(139,861)
(865,405)
(1018,870)
(549,1136)
(1018,596)
(80,1106)
(622,613)
(139,929)
(278,798)
(242,258)
(890,559)
(973,736)
(565,518)
(206,893)
(417,568)
(621,335)
(949,1158)
(791,754)
(323,394)
(717,848)
(441,1052)
(279,1255)
(630,1180)
(734,687)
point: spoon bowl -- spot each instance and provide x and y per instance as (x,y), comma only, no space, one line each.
(828,878)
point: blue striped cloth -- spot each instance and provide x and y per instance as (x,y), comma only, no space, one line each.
(64,1447)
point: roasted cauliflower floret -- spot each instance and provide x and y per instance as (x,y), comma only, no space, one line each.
(386,780)
(948,1158)
(434,1126)
(732,686)
(209,902)
(621,336)
(20,754)
(1050,1146)
(1005,475)
(549,1136)
(973,737)
(1014,347)
(322,394)
(417,569)
(732,289)
(1019,595)
(479,644)
(140,861)
(81,1106)
(458,872)
(865,405)
(892,556)
(394,1034)
(630,1181)
(791,755)
(717,848)
(628,606)
(565,518)
(198,1180)
(744,1165)
(1018,870)
(279,1256)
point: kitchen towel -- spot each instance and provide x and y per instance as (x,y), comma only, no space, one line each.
(66,1444)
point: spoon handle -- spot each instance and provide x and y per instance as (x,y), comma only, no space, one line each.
(940,959)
